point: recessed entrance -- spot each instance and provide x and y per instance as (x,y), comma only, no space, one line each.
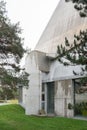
(50,97)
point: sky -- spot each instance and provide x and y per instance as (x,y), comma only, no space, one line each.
(33,16)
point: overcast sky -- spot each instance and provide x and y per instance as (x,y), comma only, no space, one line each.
(33,16)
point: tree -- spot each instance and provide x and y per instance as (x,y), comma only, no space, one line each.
(81,6)
(11,52)
(76,53)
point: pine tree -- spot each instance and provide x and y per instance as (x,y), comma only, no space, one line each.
(11,52)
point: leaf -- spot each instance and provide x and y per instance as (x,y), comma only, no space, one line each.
(74,73)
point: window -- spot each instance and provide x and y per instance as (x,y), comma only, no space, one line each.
(43,97)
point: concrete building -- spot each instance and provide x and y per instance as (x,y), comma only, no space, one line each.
(51,84)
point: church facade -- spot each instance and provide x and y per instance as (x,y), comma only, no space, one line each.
(52,86)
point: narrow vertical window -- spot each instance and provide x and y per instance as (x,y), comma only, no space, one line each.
(43,97)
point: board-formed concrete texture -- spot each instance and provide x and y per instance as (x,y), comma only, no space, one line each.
(65,22)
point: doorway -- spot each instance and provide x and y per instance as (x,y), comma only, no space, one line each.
(50,98)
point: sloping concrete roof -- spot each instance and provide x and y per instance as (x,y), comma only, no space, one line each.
(65,22)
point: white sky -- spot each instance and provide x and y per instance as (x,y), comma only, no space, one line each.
(33,16)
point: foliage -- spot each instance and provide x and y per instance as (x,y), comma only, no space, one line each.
(12,117)
(76,53)
(70,106)
(11,52)
(81,6)
(7,93)
(81,108)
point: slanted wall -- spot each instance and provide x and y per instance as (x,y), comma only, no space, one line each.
(65,22)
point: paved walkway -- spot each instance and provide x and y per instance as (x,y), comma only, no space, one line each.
(80,118)
(1,104)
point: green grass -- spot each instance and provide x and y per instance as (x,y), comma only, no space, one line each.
(12,117)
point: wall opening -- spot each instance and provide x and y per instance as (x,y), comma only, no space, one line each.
(50,97)
(43,95)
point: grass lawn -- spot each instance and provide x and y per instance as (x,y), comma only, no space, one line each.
(12,117)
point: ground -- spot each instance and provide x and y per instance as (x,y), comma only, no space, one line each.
(12,117)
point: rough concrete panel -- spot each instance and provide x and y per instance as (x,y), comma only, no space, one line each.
(59,106)
(43,62)
(33,95)
(70,113)
(63,96)
(66,86)
(37,60)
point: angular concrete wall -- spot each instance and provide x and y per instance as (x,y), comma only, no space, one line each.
(33,91)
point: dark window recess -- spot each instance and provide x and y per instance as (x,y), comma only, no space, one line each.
(43,97)
(43,88)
